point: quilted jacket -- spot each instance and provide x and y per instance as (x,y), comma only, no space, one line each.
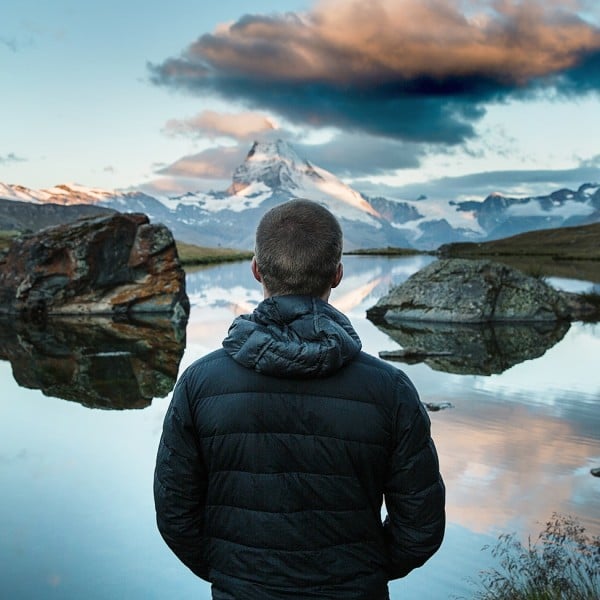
(277,452)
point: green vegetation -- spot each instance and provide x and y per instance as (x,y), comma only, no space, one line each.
(6,237)
(190,254)
(389,251)
(570,252)
(563,564)
(563,243)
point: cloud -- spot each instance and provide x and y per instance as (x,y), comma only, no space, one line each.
(480,185)
(10,43)
(353,155)
(413,70)
(213,163)
(345,155)
(241,126)
(11,157)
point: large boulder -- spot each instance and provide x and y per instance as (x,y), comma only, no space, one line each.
(115,264)
(471,291)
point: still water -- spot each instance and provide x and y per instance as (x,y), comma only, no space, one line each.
(82,404)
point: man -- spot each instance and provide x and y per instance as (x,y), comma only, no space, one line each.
(278,449)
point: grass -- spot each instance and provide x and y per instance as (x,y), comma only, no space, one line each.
(562,564)
(389,251)
(569,252)
(563,243)
(190,254)
(6,237)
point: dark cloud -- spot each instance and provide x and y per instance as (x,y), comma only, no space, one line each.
(11,157)
(412,70)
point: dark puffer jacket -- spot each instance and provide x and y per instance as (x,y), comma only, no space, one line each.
(276,453)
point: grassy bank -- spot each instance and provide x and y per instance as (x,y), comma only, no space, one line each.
(570,252)
(389,251)
(6,238)
(567,252)
(190,254)
(563,243)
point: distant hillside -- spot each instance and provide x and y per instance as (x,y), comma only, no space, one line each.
(564,243)
(26,216)
(569,252)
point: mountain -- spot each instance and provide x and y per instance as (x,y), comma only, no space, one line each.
(502,216)
(273,173)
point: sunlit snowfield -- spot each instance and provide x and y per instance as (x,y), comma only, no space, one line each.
(76,509)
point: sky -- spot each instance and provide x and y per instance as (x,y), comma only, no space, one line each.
(450,99)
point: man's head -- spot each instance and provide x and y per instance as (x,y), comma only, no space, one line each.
(298,250)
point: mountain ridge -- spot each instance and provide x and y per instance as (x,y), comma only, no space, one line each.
(273,173)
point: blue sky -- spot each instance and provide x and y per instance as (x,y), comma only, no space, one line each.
(403,97)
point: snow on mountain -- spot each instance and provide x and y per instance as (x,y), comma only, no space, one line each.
(71,193)
(276,164)
(438,210)
(273,173)
(18,192)
(272,166)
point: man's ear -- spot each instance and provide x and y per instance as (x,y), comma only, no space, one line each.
(255,271)
(338,275)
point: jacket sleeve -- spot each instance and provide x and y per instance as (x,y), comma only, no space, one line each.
(414,491)
(180,484)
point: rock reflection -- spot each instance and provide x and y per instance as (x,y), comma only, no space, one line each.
(95,361)
(471,349)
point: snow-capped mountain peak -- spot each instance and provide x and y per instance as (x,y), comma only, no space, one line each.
(277,166)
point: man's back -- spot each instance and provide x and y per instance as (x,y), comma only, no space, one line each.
(292,467)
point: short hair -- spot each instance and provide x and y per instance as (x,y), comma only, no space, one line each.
(298,248)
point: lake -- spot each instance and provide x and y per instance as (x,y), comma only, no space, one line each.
(81,412)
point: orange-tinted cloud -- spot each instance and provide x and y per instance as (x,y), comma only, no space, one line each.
(213,163)
(417,70)
(240,126)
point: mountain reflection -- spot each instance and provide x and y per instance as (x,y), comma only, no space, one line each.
(471,349)
(95,361)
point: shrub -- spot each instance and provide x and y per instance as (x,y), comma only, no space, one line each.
(563,564)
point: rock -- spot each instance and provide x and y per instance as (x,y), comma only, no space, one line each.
(471,348)
(435,406)
(471,291)
(95,361)
(113,264)
(595,471)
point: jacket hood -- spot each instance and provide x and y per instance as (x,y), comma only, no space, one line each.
(293,336)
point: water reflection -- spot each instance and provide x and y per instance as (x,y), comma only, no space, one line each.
(471,349)
(95,361)
(516,447)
